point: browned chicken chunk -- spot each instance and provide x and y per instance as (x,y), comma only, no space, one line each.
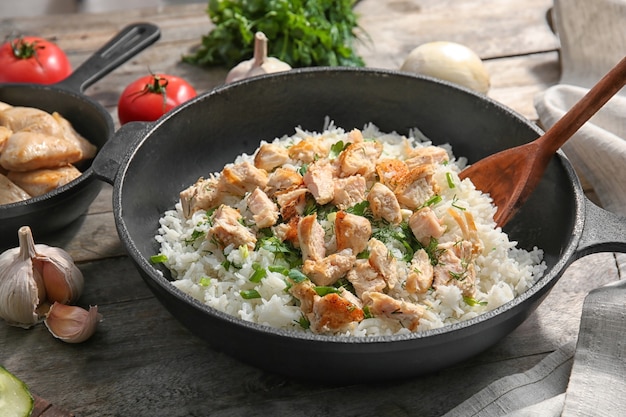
(311,238)
(203,195)
(384,204)
(365,278)
(349,191)
(416,187)
(319,179)
(227,230)
(383,261)
(270,156)
(41,181)
(264,211)
(360,158)
(352,231)
(420,276)
(328,270)
(26,151)
(425,225)
(243,177)
(333,313)
(379,304)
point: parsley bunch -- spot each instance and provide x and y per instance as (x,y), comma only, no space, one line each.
(300,32)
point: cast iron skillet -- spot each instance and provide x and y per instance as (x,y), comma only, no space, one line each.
(149,164)
(58,208)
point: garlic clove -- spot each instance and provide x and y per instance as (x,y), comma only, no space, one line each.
(451,62)
(19,293)
(260,63)
(72,324)
(62,279)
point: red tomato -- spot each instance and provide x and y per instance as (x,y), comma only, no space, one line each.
(33,60)
(151,96)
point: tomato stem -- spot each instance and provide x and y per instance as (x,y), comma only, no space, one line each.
(157,86)
(26,50)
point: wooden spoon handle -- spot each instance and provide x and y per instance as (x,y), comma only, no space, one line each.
(582,111)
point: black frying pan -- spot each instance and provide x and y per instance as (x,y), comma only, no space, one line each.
(149,164)
(58,208)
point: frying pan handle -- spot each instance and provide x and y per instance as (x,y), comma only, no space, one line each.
(603,231)
(126,44)
(106,164)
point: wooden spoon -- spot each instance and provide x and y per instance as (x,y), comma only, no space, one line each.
(511,175)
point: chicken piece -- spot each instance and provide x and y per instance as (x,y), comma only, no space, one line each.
(391,171)
(4,106)
(334,313)
(426,156)
(329,269)
(319,179)
(227,230)
(360,158)
(270,156)
(311,238)
(264,211)
(41,181)
(10,192)
(5,133)
(34,120)
(408,314)
(352,231)
(344,293)
(384,204)
(425,225)
(282,179)
(288,231)
(349,191)
(455,267)
(87,148)
(309,150)
(305,292)
(203,195)
(420,276)
(238,179)
(292,202)
(416,187)
(364,278)
(27,151)
(468,229)
(383,261)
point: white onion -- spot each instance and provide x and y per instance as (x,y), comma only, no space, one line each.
(450,62)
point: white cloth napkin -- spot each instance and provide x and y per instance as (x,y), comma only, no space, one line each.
(587,377)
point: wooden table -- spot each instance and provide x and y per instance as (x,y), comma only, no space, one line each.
(141,362)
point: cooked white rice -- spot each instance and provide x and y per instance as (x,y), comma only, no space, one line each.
(503,271)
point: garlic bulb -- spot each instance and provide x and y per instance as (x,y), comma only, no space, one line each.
(451,62)
(32,276)
(72,324)
(260,64)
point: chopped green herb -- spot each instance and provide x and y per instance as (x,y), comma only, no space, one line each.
(204,281)
(337,148)
(359,209)
(450,181)
(278,268)
(470,301)
(297,276)
(158,259)
(455,204)
(363,255)
(304,322)
(322,290)
(259,272)
(195,235)
(432,200)
(249,294)
(366,312)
